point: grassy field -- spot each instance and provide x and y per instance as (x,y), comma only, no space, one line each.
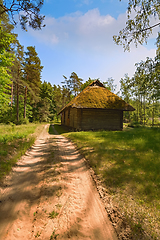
(14,141)
(128,163)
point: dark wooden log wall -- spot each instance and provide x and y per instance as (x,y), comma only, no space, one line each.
(101,119)
(93,119)
(70,118)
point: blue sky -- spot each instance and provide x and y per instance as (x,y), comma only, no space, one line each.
(78,38)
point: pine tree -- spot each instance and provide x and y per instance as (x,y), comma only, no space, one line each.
(32,76)
(17,75)
(75,83)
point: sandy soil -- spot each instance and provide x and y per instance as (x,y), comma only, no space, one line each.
(50,194)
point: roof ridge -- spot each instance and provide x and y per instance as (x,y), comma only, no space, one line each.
(96,83)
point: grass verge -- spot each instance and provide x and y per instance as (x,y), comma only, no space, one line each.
(128,164)
(14,141)
(61,129)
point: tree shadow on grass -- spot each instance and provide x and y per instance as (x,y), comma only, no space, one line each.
(125,158)
(58,128)
(128,170)
(131,158)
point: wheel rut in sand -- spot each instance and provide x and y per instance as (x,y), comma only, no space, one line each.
(51,195)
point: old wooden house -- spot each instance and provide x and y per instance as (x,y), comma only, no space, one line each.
(95,108)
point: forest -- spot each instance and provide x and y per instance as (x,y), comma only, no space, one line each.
(25,98)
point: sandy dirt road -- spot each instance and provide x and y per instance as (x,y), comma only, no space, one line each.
(51,195)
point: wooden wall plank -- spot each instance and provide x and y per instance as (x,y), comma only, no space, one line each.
(93,119)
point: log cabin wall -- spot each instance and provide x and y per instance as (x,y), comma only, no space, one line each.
(75,118)
(66,117)
(101,119)
(92,119)
(62,118)
(71,117)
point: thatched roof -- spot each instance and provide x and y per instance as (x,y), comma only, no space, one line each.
(96,95)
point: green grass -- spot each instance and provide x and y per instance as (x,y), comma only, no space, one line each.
(128,163)
(50,130)
(53,214)
(58,128)
(61,129)
(14,141)
(53,235)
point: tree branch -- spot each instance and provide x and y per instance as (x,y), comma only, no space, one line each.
(145,29)
(31,15)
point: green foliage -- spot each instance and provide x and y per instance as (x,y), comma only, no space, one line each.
(38,235)
(84,85)
(33,70)
(125,90)
(72,85)
(20,77)
(17,77)
(6,59)
(60,97)
(53,235)
(53,214)
(139,28)
(126,95)
(109,84)
(47,102)
(43,112)
(63,95)
(157,65)
(143,92)
(32,77)
(75,83)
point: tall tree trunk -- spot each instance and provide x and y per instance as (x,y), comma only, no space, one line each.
(11,98)
(140,110)
(141,117)
(25,102)
(128,113)
(18,94)
(17,102)
(137,110)
(144,119)
(12,94)
(153,114)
